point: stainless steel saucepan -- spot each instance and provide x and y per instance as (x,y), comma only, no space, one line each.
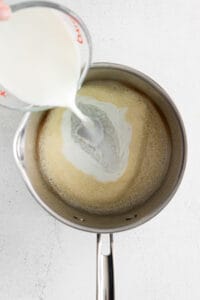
(27,161)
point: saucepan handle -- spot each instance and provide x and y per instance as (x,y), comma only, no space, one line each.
(105,271)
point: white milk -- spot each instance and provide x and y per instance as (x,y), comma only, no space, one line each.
(39,59)
(107,159)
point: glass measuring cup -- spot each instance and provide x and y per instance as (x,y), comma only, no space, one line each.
(80,34)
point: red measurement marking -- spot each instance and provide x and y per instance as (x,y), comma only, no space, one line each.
(3,93)
(78,31)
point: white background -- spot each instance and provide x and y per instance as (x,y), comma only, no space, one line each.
(42,259)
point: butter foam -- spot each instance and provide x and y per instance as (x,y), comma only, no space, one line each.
(148,158)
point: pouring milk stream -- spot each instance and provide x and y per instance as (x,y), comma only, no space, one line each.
(40,64)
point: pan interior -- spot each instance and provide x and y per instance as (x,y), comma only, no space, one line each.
(118,220)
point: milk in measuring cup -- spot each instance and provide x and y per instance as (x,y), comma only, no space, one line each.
(39,59)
